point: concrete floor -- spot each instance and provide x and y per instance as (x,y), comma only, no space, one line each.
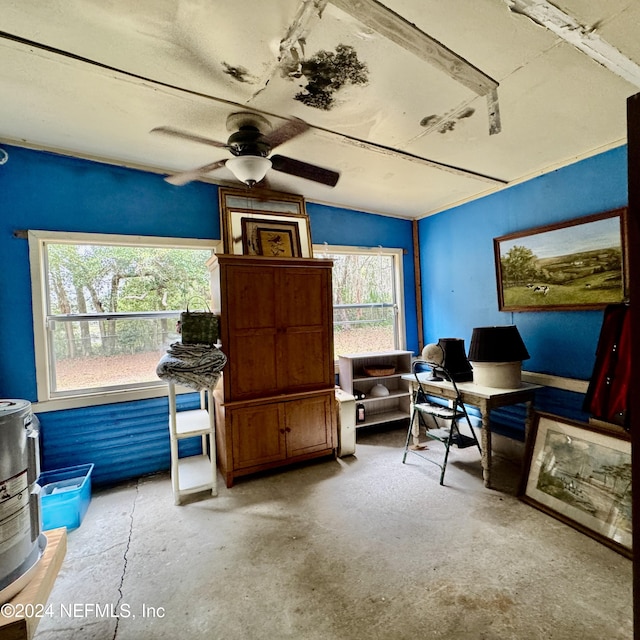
(362,547)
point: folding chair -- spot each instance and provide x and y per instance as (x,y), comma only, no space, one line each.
(448,435)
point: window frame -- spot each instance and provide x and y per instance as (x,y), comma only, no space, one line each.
(47,400)
(397,254)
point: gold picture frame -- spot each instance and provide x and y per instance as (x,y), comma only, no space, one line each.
(265,237)
(578,264)
(268,223)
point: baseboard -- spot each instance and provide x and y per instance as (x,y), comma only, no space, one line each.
(557,382)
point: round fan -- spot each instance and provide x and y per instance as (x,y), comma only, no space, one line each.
(252,141)
(433,353)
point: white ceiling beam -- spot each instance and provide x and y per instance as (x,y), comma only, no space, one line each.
(291,46)
(580,36)
(404,33)
(394,27)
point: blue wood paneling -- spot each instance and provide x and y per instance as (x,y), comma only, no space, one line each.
(123,440)
(510,420)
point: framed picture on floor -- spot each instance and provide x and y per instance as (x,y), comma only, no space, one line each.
(581,475)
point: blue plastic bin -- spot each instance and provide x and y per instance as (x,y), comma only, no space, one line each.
(65,496)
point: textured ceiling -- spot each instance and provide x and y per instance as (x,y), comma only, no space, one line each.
(419,104)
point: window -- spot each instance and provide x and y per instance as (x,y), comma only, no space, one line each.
(105,309)
(368,309)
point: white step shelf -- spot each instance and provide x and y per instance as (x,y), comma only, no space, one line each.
(196,473)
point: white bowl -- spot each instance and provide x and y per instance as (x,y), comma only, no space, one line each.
(379,391)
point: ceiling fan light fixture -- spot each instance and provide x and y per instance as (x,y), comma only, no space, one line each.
(249,169)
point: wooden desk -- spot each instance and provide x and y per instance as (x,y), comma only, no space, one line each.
(485,398)
(37,590)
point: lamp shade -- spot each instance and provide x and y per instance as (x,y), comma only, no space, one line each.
(249,169)
(455,359)
(497,344)
(496,354)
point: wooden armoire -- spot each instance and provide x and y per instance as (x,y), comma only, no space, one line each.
(276,404)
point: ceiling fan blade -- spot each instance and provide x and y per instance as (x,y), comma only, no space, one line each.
(182,178)
(287,131)
(304,170)
(176,133)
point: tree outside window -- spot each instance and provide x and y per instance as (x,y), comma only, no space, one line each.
(111,310)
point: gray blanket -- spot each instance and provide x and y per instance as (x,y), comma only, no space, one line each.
(196,366)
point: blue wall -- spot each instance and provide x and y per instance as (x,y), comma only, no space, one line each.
(54,193)
(458,266)
(46,191)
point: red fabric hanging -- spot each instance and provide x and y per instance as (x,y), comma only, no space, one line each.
(609,388)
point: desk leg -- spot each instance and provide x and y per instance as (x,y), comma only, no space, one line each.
(415,425)
(415,430)
(485,441)
(528,419)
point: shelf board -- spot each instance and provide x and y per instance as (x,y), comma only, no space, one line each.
(192,423)
(375,354)
(387,416)
(389,377)
(195,474)
(393,393)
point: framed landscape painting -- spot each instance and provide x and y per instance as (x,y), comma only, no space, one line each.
(578,264)
(581,475)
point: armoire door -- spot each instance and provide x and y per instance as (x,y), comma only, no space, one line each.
(258,434)
(305,329)
(309,424)
(249,332)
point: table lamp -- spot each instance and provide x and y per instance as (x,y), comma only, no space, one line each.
(448,353)
(496,354)
(455,359)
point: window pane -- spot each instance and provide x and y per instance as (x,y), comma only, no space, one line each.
(92,354)
(363,329)
(111,279)
(363,302)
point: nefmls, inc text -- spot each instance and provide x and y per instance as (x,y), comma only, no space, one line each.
(110,610)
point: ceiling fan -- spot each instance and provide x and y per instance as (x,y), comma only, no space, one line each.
(250,148)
